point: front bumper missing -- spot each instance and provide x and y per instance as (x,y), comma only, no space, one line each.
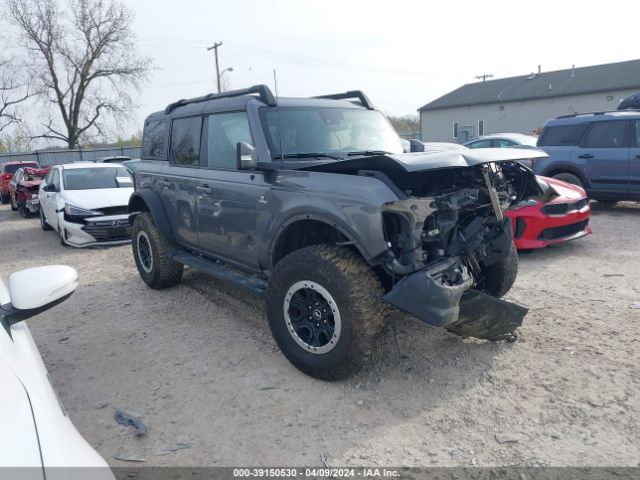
(458,308)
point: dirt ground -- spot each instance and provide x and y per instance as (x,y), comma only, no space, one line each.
(198,362)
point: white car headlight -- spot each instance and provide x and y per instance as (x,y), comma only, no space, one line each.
(77,212)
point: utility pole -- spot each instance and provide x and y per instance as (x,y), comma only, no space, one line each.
(484,76)
(214,47)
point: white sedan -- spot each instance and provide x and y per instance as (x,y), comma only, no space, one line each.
(86,203)
(37,439)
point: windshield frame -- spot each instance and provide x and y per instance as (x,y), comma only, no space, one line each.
(339,154)
(109,167)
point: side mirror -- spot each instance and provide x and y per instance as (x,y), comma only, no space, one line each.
(416,145)
(246,157)
(33,291)
(49,188)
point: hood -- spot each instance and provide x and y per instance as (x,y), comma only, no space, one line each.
(19,442)
(99,198)
(434,158)
(566,191)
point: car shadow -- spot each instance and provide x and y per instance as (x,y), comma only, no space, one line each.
(615,209)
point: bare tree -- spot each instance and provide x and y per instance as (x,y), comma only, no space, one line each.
(14,90)
(84,59)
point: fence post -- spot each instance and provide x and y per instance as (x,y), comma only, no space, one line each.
(38,157)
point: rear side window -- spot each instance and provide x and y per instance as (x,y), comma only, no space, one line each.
(185,141)
(225,131)
(562,135)
(503,143)
(480,144)
(607,135)
(153,139)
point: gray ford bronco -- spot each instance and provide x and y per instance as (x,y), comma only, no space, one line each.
(312,203)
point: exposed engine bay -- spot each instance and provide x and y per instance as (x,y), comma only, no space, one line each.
(446,229)
(454,213)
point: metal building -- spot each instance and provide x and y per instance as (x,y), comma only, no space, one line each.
(523,104)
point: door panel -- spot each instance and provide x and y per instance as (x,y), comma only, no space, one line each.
(227,199)
(604,157)
(176,183)
(634,162)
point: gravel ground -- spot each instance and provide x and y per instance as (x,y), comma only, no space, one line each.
(198,362)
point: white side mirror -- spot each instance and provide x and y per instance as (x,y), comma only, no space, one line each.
(34,290)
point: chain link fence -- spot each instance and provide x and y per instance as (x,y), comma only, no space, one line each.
(56,157)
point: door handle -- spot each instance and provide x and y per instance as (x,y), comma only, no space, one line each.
(637,156)
(585,155)
(167,185)
(204,190)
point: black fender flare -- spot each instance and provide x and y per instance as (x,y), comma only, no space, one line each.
(330,222)
(148,200)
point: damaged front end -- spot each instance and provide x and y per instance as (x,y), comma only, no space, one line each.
(444,235)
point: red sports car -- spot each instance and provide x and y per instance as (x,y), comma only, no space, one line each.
(23,190)
(560,214)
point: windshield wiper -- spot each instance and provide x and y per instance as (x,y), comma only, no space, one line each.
(308,155)
(368,152)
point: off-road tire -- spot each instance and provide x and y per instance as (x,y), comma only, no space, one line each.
(43,223)
(569,178)
(358,296)
(163,271)
(499,277)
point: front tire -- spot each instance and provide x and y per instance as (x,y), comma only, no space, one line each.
(325,310)
(12,200)
(499,277)
(152,253)
(43,223)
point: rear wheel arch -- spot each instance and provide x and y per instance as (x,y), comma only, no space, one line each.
(148,201)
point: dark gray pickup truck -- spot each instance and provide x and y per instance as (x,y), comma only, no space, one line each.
(312,203)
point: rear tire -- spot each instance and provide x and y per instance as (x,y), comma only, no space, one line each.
(3,198)
(43,223)
(569,178)
(152,253)
(344,297)
(499,277)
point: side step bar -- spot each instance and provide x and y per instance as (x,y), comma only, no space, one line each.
(222,271)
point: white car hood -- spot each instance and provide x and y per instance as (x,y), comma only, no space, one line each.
(99,198)
(18,439)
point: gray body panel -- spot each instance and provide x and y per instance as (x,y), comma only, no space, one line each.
(238,216)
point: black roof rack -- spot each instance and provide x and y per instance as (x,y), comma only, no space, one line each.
(263,92)
(357,94)
(571,115)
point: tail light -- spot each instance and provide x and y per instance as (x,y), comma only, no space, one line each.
(5,176)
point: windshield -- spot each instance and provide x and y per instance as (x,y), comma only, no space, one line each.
(12,168)
(304,130)
(96,178)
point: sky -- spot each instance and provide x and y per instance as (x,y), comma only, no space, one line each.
(402,54)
